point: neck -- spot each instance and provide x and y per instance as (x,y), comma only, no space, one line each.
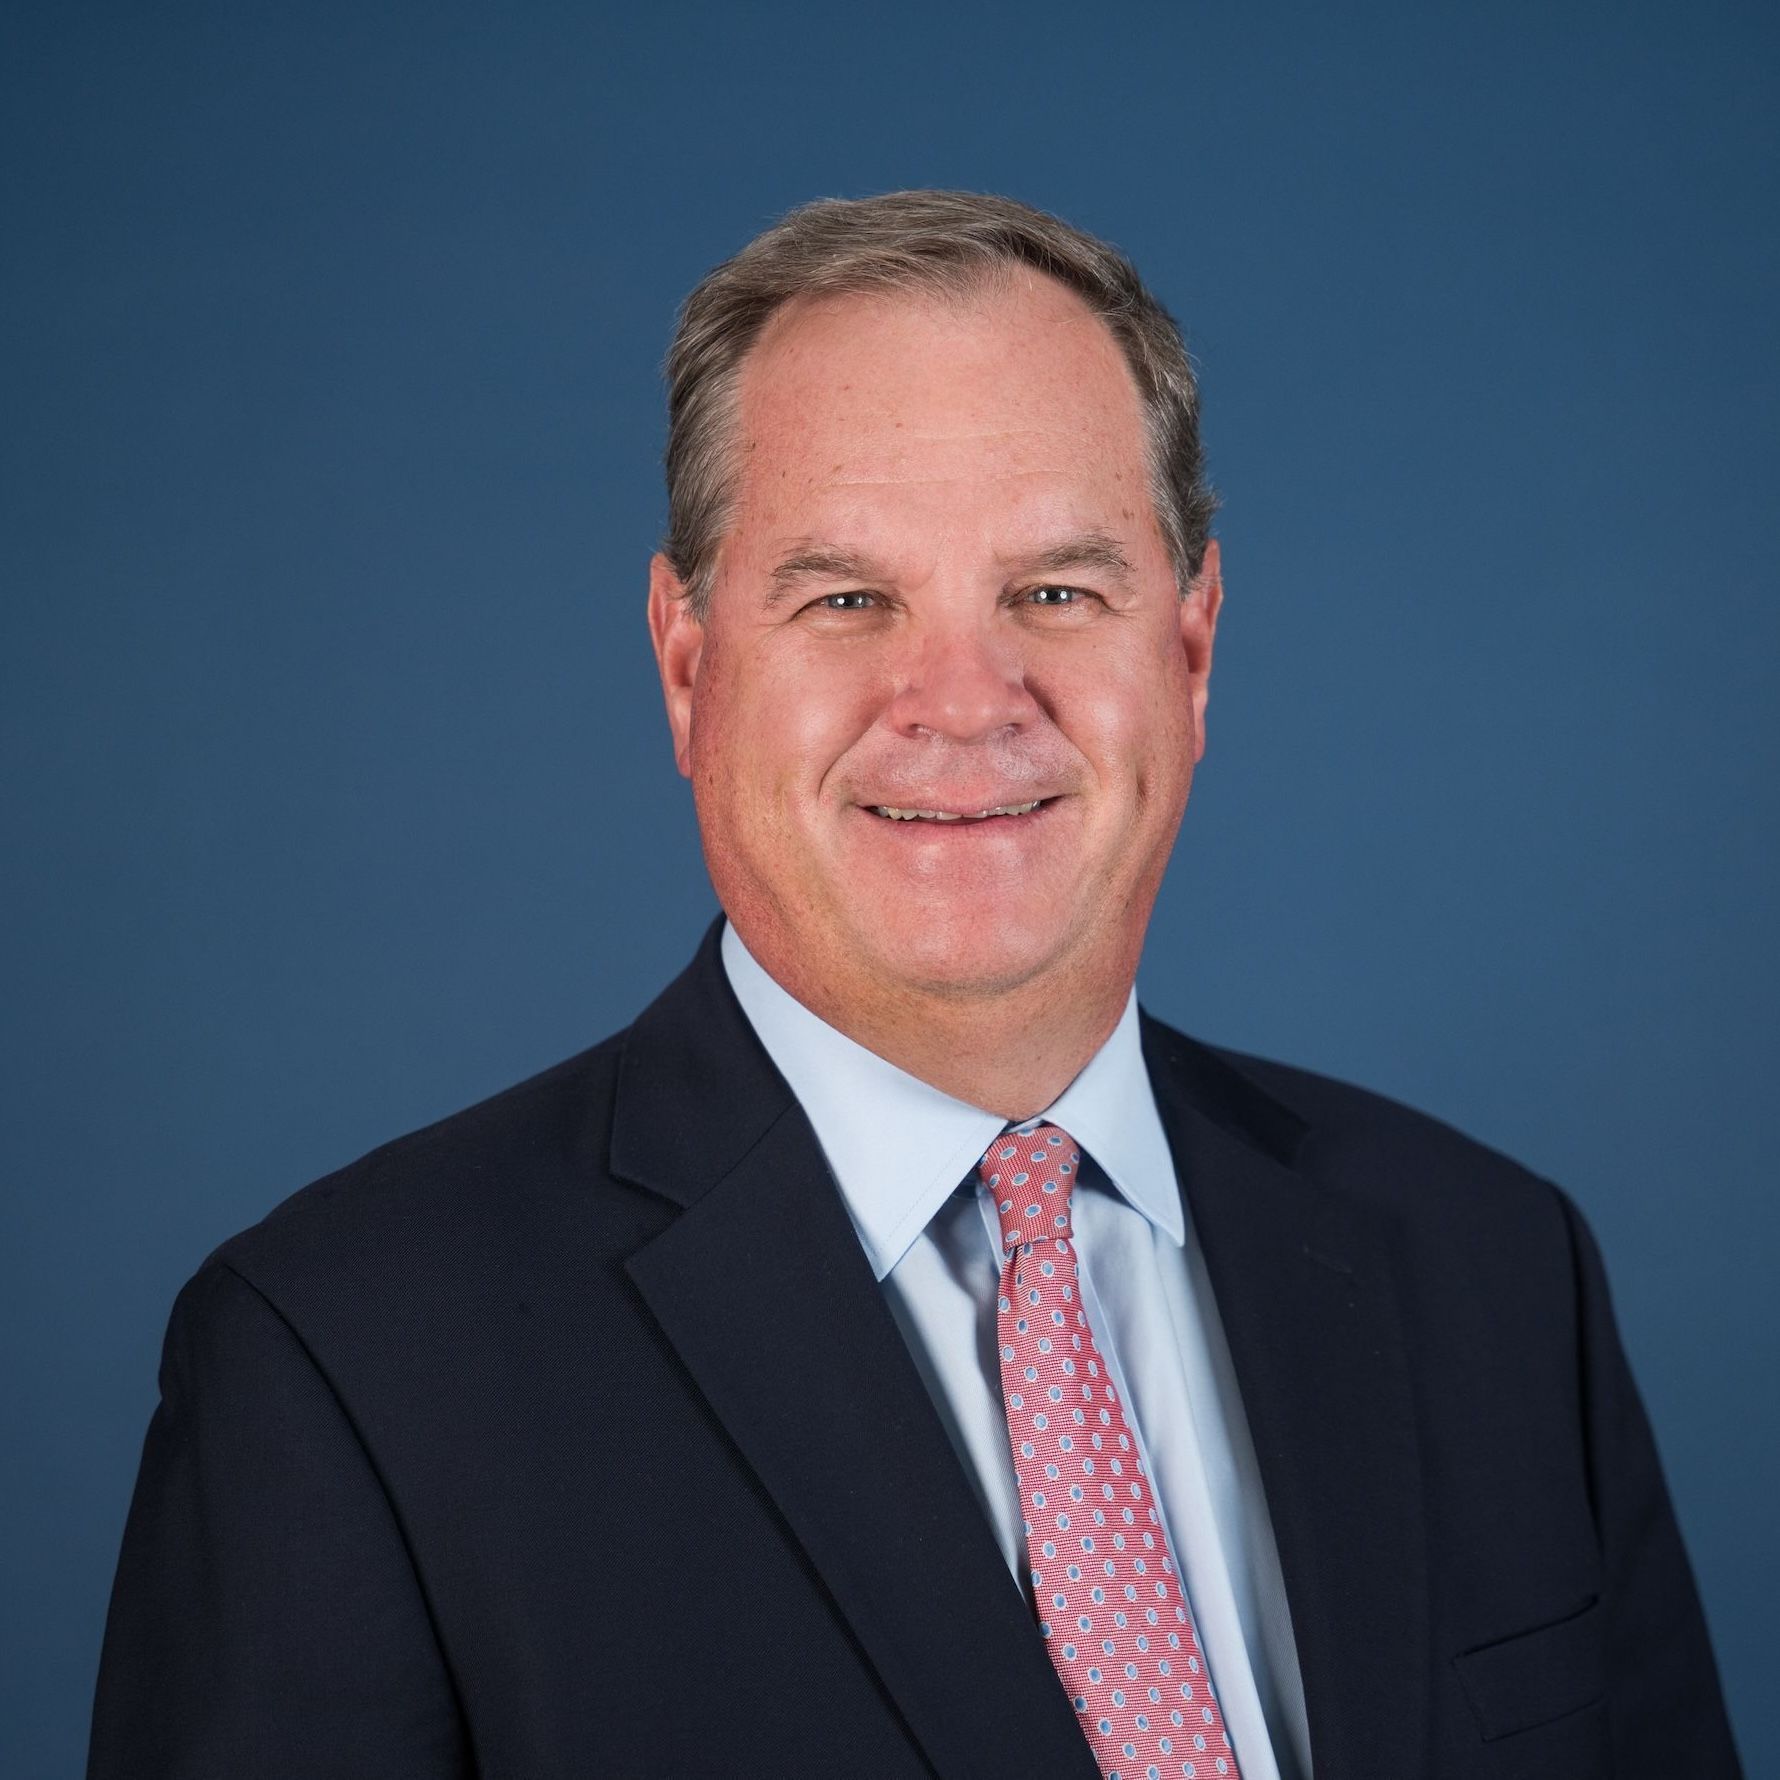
(1010,1052)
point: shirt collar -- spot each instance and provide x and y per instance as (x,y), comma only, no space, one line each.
(899,1147)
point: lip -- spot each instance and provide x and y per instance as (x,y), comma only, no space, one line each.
(982,828)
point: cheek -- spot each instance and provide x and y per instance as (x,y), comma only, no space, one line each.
(769,731)
(1132,719)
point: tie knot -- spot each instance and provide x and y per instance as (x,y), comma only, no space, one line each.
(1030,1174)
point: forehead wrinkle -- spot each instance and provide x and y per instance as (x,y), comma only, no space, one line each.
(930,435)
(936,481)
(905,458)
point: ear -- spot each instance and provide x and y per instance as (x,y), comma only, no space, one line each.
(1198,625)
(679,641)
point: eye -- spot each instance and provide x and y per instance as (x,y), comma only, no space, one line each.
(844,602)
(1050,594)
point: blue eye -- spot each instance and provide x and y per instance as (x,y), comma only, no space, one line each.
(1054,596)
(843,602)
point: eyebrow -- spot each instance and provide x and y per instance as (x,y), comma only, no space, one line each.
(820,562)
(811,561)
(1084,550)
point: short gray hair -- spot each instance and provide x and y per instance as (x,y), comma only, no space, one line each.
(940,243)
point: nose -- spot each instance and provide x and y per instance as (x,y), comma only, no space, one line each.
(960,683)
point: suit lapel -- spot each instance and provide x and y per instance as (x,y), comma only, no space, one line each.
(764,1291)
(1303,1288)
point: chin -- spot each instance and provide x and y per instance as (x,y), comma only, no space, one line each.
(983,956)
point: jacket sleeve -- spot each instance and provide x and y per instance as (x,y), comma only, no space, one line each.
(266,1618)
(1665,1709)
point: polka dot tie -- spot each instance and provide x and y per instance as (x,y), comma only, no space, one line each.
(1105,1587)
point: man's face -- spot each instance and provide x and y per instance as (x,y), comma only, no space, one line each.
(944,591)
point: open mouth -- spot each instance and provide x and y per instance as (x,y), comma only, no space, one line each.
(999,813)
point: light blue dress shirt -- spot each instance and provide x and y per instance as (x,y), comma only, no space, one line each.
(900,1150)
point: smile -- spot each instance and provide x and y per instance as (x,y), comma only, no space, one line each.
(1008,809)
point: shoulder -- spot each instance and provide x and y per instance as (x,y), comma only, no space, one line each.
(452,1196)
(1486,1256)
(1348,1123)
(1353,1143)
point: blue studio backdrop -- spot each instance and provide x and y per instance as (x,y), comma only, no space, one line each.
(336,788)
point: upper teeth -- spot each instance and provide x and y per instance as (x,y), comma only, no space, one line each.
(1006,809)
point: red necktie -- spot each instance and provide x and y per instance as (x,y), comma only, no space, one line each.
(1105,1587)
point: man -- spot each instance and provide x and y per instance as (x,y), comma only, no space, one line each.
(895,1354)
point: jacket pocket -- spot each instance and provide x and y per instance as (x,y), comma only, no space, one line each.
(1536,1676)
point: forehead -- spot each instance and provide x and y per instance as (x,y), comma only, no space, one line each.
(1009,408)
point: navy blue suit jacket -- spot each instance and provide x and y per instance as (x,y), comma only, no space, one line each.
(572,1436)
